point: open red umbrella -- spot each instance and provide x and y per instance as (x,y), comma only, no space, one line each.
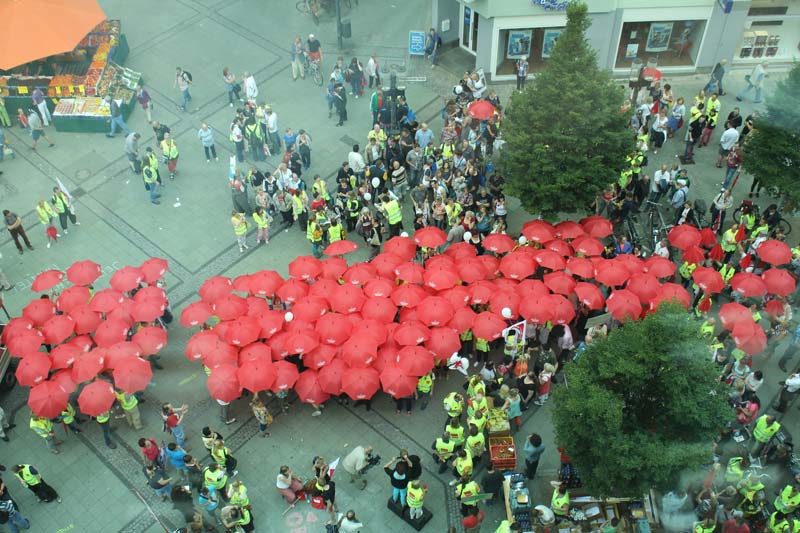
(441,278)
(634,264)
(488,326)
(778,282)
(774,308)
(430,237)
(72,297)
(257,375)
(732,313)
(549,259)
(434,311)
(693,255)
(347,299)
(88,365)
(96,398)
(415,360)
(333,268)
(64,355)
(471,269)
(590,295)
(106,300)
(301,342)
(409,272)
(286,375)
(265,282)
(214,288)
(47,280)
(320,356)
(580,266)
(146,311)
(372,329)
(707,237)
(645,286)
(411,334)
(587,246)
(774,252)
(201,343)
(33,369)
(397,384)
(380,309)
(330,376)
(242,283)
(569,229)
(560,282)
(671,292)
(462,319)
(308,388)
(748,284)
(305,267)
(341,247)
(64,379)
(459,250)
(223,383)
(153,269)
(126,279)
(39,311)
(256,351)
(229,306)
(481,109)
(243,330)
(379,288)
(623,305)
(151,339)
(359,351)
(151,294)
(333,329)
(518,265)
(408,295)
(118,353)
(443,342)
(18,325)
(503,299)
(597,226)
(309,308)
(83,272)
(57,329)
(660,267)
(749,337)
(292,290)
(536,309)
(110,332)
(25,342)
(195,314)
(684,236)
(361,383)
(132,374)
(560,247)
(48,399)
(611,274)
(498,243)
(385,263)
(360,274)
(538,231)
(708,279)
(458,296)
(402,247)
(563,310)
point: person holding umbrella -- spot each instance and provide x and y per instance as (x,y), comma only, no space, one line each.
(44,428)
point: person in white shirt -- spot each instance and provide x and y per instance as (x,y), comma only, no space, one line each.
(374,71)
(662,249)
(356,161)
(662,181)
(722,202)
(790,388)
(477,85)
(348,523)
(729,137)
(754,81)
(250,87)
(273,138)
(753,381)
(283,176)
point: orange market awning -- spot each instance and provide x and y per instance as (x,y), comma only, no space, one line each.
(33,29)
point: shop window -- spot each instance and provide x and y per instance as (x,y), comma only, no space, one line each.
(767,11)
(671,43)
(534,44)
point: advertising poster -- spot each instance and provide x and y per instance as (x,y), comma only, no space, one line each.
(549,42)
(519,44)
(658,38)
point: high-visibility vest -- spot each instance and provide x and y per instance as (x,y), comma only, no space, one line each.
(706,329)
(393,212)
(239,226)
(749,221)
(42,427)
(444,449)
(103,418)
(558,502)
(466,490)
(297,204)
(479,423)
(481,345)
(239,496)
(353,207)
(482,406)
(452,213)
(414,497)
(253,130)
(466,335)
(425,383)
(45,212)
(702,528)
(245,518)
(786,502)
(758,230)
(734,471)
(452,405)
(505,527)
(26,476)
(456,434)
(475,387)
(686,269)
(512,345)
(322,189)
(335,233)
(261,220)
(756,316)
(220,454)
(625,177)
(127,401)
(149,175)
(777,526)
(762,432)
(216,479)
(728,242)
(727,272)
(169,149)
(60,202)
(476,443)
(311,228)
(68,414)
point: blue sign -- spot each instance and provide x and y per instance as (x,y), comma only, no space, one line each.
(726,5)
(555,5)
(416,43)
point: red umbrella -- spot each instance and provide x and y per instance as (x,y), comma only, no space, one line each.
(587,246)
(385,264)
(749,337)
(119,352)
(151,294)
(361,383)
(408,295)
(492,265)
(39,311)
(33,369)
(479,293)
(305,267)
(518,265)
(223,383)
(380,309)
(153,269)
(229,306)
(732,313)
(58,328)
(441,279)
(708,279)
(707,237)
(243,330)
(308,388)
(72,297)
(590,295)
(549,259)
(309,308)
(214,288)
(611,274)
(459,250)
(569,230)
(257,351)
(150,339)
(271,322)
(778,282)
(333,329)
(256,306)
(563,310)
(106,300)
(693,255)
(415,360)
(333,268)
(505,299)
(360,274)
(83,342)
(560,247)
(774,308)
(379,288)
(443,342)
(47,280)
(257,375)
(402,247)
(341,247)
(132,374)
(658,266)
(481,109)
(538,231)
(25,342)
(631,262)
(671,292)
(64,355)
(241,283)
(458,296)
(684,236)
(110,332)
(462,320)
(410,272)
(430,237)
(397,384)
(471,270)
(286,375)
(623,305)
(488,326)
(147,311)
(580,266)
(321,356)
(324,288)
(265,282)
(434,311)
(748,284)
(88,365)
(292,290)
(359,351)
(96,398)
(301,342)
(64,379)
(560,282)
(83,272)
(411,334)
(645,286)
(330,376)
(597,226)
(195,314)
(48,399)
(498,243)
(126,279)
(774,252)
(372,329)
(536,309)
(347,299)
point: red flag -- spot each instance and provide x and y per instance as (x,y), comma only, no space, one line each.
(52,232)
(716,253)
(741,233)
(705,305)
(745,262)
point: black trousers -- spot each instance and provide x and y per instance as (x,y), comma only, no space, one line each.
(530,468)
(44,492)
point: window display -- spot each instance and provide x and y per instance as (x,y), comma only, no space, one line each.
(672,43)
(535,45)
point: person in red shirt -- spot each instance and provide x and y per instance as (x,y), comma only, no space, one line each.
(472,522)
(735,525)
(150,450)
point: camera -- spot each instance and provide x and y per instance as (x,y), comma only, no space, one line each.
(372,460)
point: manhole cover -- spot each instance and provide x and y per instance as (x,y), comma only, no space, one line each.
(348,140)
(77,192)
(82,174)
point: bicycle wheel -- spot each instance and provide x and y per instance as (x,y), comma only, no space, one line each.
(302,6)
(737,214)
(317,76)
(785,227)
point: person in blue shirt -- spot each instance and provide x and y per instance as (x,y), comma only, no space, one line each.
(423,136)
(623,246)
(289,138)
(175,454)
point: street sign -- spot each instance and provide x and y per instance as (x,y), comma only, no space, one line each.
(416,43)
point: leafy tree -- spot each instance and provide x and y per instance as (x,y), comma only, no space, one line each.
(770,152)
(565,137)
(641,405)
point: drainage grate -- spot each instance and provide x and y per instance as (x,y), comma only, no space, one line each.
(77,192)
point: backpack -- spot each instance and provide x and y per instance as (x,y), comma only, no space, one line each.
(187,76)
(438,42)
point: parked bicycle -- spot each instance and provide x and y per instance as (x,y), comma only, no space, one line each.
(656,227)
(318,7)
(783,224)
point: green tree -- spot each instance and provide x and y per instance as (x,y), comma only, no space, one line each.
(770,152)
(641,405)
(565,137)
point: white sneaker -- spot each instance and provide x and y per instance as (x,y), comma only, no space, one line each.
(58,235)
(235,472)
(246,247)
(208,161)
(48,245)
(66,232)
(316,413)
(231,104)
(76,224)
(241,250)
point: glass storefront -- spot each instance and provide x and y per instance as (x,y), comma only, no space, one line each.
(770,33)
(535,44)
(671,43)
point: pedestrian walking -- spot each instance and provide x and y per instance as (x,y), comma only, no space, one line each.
(104,420)
(237,138)
(250,87)
(37,129)
(522,72)
(330,94)
(132,151)
(170,151)
(715,81)
(374,71)
(14,519)
(41,106)
(304,148)
(206,137)
(46,215)
(340,102)
(239,223)
(355,73)
(232,87)
(183,80)
(16,229)
(117,120)
(534,448)
(262,414)
(297,55)
(273,137)
(432,44)
(223,412)
(44,428)
(789,389)
(4,425)
(755,80)
(150,175)
(64,209)
(209,503)
(143,97)
(31,478)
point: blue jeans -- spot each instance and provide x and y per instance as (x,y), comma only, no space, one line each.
(119,122)
(163,491)
(16,519)
(729,172)
(757,97)
(152,191)
(432,54)
(186,98)
(239,151)
(399,493)
(316,249)
(180,436)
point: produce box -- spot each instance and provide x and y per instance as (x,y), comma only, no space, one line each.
(502,453)
(498,425)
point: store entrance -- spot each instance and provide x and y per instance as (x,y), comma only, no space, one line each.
(469,29)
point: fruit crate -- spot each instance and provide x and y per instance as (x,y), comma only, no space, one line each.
(502,453)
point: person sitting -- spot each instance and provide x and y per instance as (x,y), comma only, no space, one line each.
(289,485)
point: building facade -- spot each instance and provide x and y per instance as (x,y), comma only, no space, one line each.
(681,36)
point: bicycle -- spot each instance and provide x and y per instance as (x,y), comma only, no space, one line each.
(655,223)
(316,7)
(783,224)
(313,69)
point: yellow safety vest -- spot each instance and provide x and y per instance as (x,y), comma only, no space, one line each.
(239,226)
(60,202)
(26,476)
(505,527)
(297,204)
(728,242)
(706,329)
(466,336)
(775,526)
(149,175)
(311,228)
(700,528)
(687,269)
(476,443)
(43,428)
(169,149)
(482,345)
(762,432)
(322,189)
(353,207)
(216,480)
(245,519)
(558,502)
(479,423)
(785,502)
(261,220)
(466,490)
(452,213)
(414,497)
(456,434)
(103,418)
(127,401)
(45,213)
(425,383)
(473,406)
(444,449)
(734,472)
(219,454)
(727,272)
(335,233)
(749,221)
(68,414)
(452,405)
(393,212)
(239,497)
(758,230)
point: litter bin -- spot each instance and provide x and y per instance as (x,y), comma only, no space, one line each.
(347,30)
